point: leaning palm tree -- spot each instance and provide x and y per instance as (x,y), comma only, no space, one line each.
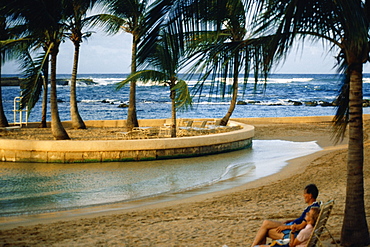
(165,61)
(129,16)
(44,21)
(22,46)
(345,24)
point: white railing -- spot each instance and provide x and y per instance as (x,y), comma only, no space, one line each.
(18,111)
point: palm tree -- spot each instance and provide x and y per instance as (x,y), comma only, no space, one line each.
(216,42)
(165,59)
(44,21)
(343,24)
(3,37)
(223,51)
(129,16)
(75,23)
(278,24)
(12,44)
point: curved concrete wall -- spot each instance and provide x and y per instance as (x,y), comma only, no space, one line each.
(69,151)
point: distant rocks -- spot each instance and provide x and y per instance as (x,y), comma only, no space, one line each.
(121,104)
(310,103)
(366,103)
(105,101)
(251,102)
(295,102)
(16,81)
(10,81)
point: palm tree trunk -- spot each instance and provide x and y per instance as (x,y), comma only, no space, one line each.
(173,109)
(3,120)
(57,128)
(45,95)
(131,112)
(355,229)
(235,86)
(77,122)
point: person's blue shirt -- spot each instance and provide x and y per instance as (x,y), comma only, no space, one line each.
(305,211)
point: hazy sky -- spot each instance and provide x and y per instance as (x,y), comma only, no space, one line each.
(112,54)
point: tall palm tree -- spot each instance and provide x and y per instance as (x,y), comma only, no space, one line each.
(77,20)
(44,21)
(225,51)
(345,25)
(128,15)
(20,48)
(214,35)
(165,61)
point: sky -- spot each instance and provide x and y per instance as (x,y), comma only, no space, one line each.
(112,54)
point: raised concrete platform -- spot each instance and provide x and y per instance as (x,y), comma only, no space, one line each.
(71,151)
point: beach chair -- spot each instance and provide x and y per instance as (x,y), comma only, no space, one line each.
(202,129)
(320,225)
(164,132)
(185,130)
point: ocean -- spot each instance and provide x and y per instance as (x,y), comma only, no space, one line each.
(274,99)
(30,189)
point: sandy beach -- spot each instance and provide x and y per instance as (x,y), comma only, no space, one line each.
(229,217)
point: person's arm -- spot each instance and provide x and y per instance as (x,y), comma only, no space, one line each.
(283,227)
(298,227)
(293,240)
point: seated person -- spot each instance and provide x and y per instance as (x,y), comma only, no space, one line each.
(303,236)
(280,230)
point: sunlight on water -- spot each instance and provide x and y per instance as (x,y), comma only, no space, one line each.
(32,188)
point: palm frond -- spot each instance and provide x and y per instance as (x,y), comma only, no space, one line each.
(341,118)
(183,99)
(33,82)
(110,24)
(144,76)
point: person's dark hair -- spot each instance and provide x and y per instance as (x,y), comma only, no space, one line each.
(313,190)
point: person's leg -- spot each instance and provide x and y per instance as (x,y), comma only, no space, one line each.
(267,229)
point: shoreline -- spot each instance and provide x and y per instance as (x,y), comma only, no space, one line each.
(226,186)
(228,217)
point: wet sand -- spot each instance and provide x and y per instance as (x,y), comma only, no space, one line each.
(229,217)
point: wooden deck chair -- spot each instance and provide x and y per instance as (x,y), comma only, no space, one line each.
(189,124)
(202,129)
(185,130)
(164,132)
(204,123)
(320,225)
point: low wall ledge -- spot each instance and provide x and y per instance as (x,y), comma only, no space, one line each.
(72,151)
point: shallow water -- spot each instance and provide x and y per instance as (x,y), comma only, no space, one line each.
(34,188)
